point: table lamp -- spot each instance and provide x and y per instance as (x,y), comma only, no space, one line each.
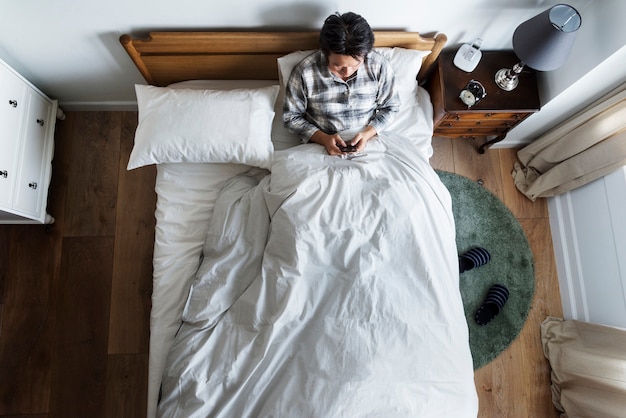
(543,43)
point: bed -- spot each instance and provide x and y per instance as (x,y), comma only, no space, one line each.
(288,282)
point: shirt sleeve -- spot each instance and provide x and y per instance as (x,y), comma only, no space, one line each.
(295,106)
(388,99)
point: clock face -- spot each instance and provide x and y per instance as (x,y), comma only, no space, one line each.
(468,98)
(472,93)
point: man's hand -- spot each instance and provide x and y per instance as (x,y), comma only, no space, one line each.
(333,142)
(361,139)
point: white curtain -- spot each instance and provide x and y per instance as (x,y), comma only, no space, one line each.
(586,147)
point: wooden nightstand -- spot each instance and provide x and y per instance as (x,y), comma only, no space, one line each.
(494,115)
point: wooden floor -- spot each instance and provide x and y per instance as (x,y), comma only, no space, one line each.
(75,299)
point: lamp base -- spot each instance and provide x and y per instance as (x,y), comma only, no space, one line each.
(506,79)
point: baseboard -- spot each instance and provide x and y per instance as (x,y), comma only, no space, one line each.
(99,106)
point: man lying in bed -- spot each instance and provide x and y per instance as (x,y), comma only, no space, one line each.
(344,85)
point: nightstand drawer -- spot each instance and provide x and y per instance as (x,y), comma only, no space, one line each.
(473,131)
(485,116)
(479,123)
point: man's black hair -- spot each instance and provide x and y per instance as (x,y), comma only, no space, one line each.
(346,34)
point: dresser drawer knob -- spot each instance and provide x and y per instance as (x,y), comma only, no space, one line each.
(488,115)
(13,103)
(33,185)
(40,122)
(4,174)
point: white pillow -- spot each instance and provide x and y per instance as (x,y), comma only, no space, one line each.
(415,118)
(281,137)
(406,64)
(286,64)
(214,126)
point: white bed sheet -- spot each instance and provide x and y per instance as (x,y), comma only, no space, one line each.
(186,194)
(186,197)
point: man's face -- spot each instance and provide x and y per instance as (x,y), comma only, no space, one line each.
(343,66)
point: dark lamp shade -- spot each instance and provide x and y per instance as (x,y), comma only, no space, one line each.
(544,41)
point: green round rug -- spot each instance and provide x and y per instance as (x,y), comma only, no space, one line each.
(482,220)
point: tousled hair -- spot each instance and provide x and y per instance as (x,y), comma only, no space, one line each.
(346,34)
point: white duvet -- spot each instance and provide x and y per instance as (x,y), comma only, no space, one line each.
(328,288)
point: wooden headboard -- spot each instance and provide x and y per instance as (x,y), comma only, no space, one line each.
(169,57)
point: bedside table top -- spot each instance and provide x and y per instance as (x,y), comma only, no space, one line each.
(524,98)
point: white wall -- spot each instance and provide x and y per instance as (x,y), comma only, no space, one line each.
(596,65)
(589,234)
(70,48)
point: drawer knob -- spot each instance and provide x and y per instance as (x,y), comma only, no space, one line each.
(33,185)
(40,122)
(13,103)
(4,174)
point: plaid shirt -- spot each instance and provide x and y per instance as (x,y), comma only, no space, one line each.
(317,99)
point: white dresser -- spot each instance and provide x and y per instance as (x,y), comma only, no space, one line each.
(27,120)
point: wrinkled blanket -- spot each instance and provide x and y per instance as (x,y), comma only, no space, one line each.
(328,288)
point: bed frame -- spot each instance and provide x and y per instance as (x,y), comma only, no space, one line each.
(169,57)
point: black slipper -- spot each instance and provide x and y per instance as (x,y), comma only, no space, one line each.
(496,298)
(473,258)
